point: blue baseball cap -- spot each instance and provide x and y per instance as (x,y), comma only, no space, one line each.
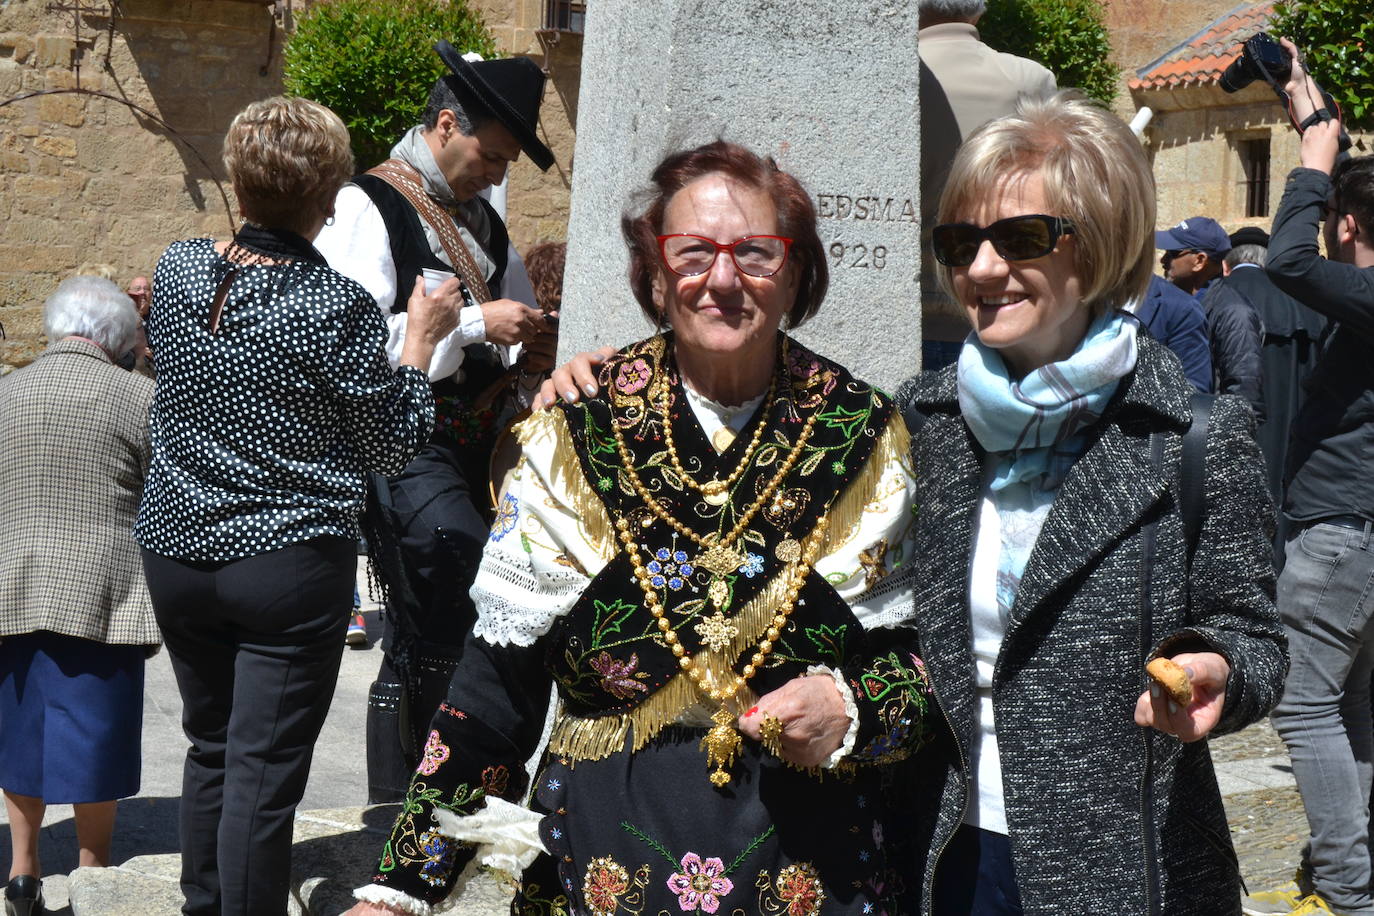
(1196,233)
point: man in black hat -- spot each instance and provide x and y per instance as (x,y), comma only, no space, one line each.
(415,218)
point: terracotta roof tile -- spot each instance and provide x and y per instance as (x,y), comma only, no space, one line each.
(1200,59)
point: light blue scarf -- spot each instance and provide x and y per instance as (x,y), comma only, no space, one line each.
(1038,426)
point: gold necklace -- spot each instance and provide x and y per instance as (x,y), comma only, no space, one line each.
(714,491)
(722,742)
(718,557)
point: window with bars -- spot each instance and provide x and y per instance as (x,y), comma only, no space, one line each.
(565,15)
(1254,156)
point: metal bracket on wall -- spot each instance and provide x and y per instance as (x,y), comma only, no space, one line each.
(111,12)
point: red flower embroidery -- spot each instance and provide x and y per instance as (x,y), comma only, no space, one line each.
(800,888)
(495,779)
(605,881)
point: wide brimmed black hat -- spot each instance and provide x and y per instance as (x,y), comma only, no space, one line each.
(510,89)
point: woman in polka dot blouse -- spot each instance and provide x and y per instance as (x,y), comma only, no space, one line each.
(274,397)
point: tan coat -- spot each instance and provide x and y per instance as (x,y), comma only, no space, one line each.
(73,455)
(964,84)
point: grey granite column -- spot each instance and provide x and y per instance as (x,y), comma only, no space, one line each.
(827,89)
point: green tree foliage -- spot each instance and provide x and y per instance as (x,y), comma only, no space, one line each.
(1336,38)
(373,62)
(1067,36)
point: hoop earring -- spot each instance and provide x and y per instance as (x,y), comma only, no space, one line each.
(329,220)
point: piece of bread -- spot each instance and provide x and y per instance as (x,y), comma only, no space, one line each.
(1173,679)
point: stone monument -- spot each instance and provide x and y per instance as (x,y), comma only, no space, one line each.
(828,89)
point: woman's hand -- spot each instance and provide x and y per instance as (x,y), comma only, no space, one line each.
(429,319)
(576,375)
(813,718)
(1208,671)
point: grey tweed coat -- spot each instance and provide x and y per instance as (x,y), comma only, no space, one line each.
(73,454)
(1105,817)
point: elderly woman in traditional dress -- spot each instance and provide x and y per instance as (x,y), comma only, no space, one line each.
(1072,529)
(700,561)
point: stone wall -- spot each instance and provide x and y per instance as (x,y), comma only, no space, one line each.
(88,179)
(1143,30)
(538,202)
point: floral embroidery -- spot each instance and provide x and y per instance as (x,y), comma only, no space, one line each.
(436,752)
(752,566)
(619,678)
(700,885)
(554,785)
(874,563)
(450,711)
(506,517)
(495,780)
(439,852)
(800,888)
(605,881)
(670,567)
(634,374)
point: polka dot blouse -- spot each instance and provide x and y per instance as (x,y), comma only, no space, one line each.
(261,431)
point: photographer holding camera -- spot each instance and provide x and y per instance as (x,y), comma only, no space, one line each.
(1324,592)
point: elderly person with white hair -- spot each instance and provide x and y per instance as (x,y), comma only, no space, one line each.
(75,620)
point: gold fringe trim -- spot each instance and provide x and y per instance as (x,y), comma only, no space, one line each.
(567,479)
(847,512)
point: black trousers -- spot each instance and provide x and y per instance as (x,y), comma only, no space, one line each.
(441,524)
(255,647)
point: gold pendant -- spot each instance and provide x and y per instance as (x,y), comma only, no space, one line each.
(721,744)
(720,560)
(788,551)
(715,492)
(718,592)
(716,631)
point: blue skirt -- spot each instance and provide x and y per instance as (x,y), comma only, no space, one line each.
(71,718)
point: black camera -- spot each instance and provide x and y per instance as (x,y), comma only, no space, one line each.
(1260,56)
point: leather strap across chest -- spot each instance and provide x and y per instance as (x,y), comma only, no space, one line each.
(409,183)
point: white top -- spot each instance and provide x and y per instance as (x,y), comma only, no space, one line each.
(1011,519)
(358,246)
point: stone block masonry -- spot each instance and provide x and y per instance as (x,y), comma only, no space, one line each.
(88,179)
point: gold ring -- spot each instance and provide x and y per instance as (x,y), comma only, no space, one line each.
(770,733)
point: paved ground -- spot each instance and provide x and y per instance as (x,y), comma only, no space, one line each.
(1265,813)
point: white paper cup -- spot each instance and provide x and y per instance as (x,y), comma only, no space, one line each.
(434,278)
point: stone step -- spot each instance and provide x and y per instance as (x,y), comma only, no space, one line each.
(333,852)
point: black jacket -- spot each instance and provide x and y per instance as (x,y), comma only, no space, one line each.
(1292,338)
(1331,454)
(1105,817)
(1236,335)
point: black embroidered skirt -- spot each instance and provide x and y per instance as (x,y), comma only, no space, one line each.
(646,834)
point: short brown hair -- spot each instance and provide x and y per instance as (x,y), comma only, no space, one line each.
(796,220)
(287,159)
(1095,174)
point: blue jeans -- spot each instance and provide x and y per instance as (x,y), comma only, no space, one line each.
(1326,600)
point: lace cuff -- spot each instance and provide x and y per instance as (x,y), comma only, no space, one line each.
(851,709)
(517,604)
(889,603)
(506,835)
(390,897)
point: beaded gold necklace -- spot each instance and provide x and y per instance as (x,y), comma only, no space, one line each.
(715,491)
(718,556)
(723,741)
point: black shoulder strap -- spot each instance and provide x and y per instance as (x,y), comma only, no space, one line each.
(1191,473)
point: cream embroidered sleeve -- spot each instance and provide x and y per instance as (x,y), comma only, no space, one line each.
(538,559)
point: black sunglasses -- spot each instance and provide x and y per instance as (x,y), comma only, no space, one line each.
(1016,238)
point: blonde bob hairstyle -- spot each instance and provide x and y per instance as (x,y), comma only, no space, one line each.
(1094,173)
(287,159)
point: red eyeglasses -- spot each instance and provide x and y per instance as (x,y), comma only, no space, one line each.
(754,255)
